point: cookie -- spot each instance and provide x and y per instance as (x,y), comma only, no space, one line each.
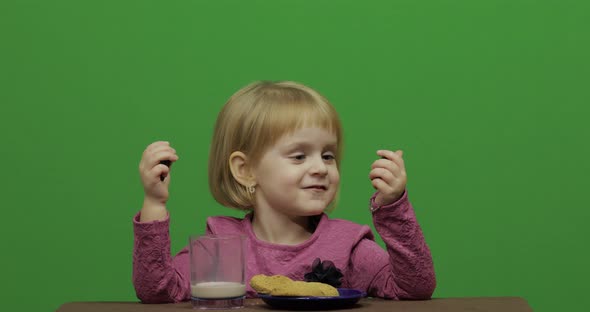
(265,284)
(280,285)
(305,289)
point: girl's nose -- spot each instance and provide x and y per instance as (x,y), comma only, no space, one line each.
(319,167)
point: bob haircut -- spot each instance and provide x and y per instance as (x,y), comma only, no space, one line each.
(252,120)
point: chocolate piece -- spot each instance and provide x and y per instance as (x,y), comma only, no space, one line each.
(167,163)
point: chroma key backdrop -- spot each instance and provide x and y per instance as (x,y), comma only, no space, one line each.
(488,99)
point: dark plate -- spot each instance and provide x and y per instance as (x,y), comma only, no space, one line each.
(348,298)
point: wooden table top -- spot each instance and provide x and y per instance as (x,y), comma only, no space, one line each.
(479,304)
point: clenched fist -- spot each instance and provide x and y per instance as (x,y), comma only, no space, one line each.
(388,176)
(155,171)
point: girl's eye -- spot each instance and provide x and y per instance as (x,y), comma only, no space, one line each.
(299,157)
(328,157)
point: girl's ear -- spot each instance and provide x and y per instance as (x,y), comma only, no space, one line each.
(240,169)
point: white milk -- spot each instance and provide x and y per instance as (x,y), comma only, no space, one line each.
(218,290)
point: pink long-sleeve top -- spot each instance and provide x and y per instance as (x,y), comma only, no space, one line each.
(403,271)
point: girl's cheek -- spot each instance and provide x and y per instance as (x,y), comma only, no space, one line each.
(336,177)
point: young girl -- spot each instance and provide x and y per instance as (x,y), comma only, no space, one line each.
(276,153)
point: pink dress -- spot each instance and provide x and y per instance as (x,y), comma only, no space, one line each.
(403,271)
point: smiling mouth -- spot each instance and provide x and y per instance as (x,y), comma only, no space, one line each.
(317,188)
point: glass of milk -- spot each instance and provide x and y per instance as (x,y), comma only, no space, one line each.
(218,265)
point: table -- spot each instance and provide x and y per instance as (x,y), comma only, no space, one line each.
(479,304)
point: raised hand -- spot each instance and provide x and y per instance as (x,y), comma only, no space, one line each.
(154,169)
(388,176)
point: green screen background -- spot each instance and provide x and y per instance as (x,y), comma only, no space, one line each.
(486,98)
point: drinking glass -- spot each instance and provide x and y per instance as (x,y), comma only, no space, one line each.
(218,265)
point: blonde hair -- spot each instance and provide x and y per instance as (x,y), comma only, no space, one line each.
(252,120)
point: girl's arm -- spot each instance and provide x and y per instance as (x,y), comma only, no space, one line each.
(409,273)
(157,277)
(406,270)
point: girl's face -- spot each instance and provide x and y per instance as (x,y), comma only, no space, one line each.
(298,175)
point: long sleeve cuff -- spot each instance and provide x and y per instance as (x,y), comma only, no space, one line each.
(150,228)
(399,206)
